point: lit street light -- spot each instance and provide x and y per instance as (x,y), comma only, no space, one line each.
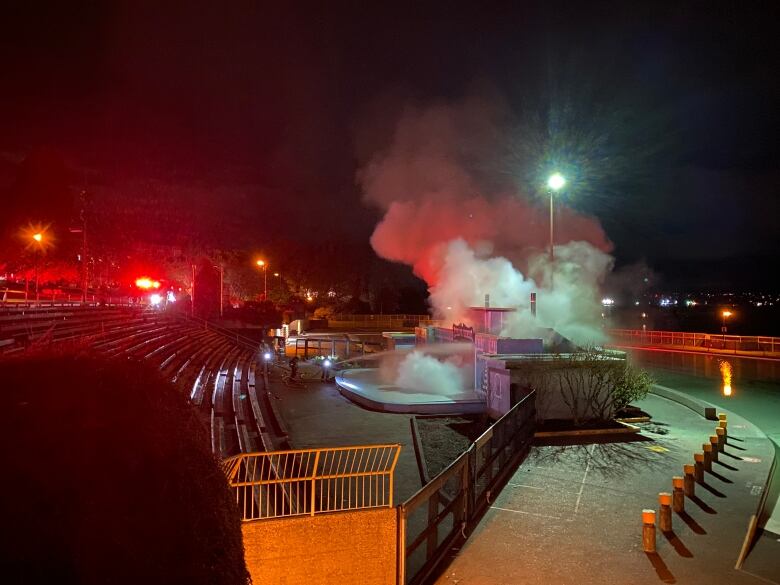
(38,243)
(555,183)
(725,314)
(263,265)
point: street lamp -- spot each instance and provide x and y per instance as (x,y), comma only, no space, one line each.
(38,243)
(263,265)
(555,183)
(725,314)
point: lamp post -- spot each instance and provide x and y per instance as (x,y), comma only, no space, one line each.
(264,266)
(38,243)
(555,183)
(725,314)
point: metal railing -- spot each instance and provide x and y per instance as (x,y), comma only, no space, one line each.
(312,481)
(377,321)
(241,340)
(713,342)
(444,510)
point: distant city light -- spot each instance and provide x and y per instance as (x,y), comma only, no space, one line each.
(607,302)
(690,303)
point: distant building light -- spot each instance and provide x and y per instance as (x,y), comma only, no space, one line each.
(155,299)
(607,302)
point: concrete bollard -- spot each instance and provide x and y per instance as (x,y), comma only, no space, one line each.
(648,530)
(722,416)
(721,438)
(689,484)
(698,462)
(665,511)
(678,494)
(714,446)
(724,425)
(707,448)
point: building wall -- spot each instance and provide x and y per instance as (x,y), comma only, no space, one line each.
(339,548)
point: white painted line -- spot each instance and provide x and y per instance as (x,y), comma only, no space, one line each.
(584,477)
(524,512)
(530,487)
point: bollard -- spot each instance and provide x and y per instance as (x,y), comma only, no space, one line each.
(698,462)
(665,511)
(648,530)
(714,446)
(707,448)
(721,438)
(678,493)
(689,485)
(724,425)
(722,416)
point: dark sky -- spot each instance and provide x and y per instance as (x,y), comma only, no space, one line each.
(264,111)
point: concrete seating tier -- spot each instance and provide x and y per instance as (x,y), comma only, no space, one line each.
(220,374)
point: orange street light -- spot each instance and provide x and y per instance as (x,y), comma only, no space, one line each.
(262,265)
(38,237)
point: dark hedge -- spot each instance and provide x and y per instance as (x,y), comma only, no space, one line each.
(107,477)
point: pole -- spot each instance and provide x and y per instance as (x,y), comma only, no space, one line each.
(552,252)
(221,293)
(192,293)
(37,295)
(84,267)
(265,282)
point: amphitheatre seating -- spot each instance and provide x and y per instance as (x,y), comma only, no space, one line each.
(215,369)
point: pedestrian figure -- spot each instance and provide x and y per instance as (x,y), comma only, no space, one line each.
(294,368)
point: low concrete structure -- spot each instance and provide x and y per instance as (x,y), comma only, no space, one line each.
(343,547)
(364,386)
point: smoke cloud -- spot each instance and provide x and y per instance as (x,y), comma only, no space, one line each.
(421,371)
(467,231)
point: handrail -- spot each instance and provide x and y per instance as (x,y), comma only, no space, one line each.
(715,342)
(242,340)
(312,481)
(463,489)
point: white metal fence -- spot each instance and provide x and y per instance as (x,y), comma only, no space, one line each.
(312,481)
(719,343)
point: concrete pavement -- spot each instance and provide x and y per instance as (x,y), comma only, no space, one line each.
(571,514)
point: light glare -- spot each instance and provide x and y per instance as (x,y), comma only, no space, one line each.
(556,181)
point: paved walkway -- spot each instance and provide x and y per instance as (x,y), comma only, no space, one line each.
(572,514)
(319,416)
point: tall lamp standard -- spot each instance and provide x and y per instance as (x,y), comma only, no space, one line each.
(38,243)
(264,266)
(725,314)
(555,183)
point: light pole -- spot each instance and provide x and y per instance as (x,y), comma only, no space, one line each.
(263,265)
(555,183)
(725,314)
(38,243)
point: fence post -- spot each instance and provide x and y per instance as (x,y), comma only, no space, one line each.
(401,577)
(314,481)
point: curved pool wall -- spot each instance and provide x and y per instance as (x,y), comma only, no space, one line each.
(364,387)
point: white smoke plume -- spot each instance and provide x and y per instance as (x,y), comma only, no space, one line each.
(421,371)
(467,232)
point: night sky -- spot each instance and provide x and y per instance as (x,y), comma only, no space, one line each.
(257,117)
